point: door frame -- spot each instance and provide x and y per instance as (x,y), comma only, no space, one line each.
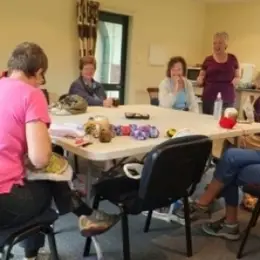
(110,17)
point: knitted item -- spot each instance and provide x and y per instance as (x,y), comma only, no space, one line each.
(57,165)
(227,123)
(138,132)
(249,202)
(154,132)
(126,130)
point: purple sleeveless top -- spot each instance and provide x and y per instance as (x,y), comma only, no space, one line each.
(219,78)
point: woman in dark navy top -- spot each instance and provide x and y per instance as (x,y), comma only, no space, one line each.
(86,87)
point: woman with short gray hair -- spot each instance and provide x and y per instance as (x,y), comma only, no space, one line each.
(219,74)
(24,130)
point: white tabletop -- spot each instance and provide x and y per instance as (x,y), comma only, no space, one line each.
(162,118)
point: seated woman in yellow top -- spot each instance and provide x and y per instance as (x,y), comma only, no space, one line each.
(176,91)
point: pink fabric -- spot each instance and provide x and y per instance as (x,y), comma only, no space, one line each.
(20,103)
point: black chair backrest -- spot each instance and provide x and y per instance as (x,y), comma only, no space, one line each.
(154,101)
(153,94)
(172,169)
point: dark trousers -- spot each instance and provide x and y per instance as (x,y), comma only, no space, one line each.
(208,106)
(58,149)
(24,203)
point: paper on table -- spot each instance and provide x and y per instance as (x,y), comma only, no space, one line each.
(183,132)
(67,129)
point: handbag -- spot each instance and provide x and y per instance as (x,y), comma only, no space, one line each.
(69,105)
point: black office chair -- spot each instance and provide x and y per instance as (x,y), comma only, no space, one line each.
(153,95)
(171,172)
(254,191)
(43,223)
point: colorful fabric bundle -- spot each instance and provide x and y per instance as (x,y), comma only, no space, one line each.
(138,132)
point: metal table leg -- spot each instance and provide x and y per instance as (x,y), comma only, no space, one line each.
(88,181)
(97,248)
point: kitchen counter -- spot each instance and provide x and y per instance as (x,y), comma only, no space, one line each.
(241,96)
(248,90)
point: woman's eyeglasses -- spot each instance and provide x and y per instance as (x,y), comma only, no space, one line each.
(42,80)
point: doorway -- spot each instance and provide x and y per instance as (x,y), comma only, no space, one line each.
(111,53)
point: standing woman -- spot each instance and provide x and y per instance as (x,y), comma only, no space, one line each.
(219,73)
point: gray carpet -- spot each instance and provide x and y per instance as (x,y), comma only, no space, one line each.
(164,241)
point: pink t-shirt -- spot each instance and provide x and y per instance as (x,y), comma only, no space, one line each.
(20,103)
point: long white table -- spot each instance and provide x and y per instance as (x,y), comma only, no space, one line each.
(162,118)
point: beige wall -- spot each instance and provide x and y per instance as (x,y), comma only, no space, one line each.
(49,23)
(178,25)
(241,21)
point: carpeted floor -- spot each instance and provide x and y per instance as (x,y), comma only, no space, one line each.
(164,241)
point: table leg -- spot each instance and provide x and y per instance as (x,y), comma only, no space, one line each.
(236,143)
(97,248)
(88,181)
(226,145)
(76,164)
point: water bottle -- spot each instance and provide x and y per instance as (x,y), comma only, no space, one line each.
(218,106)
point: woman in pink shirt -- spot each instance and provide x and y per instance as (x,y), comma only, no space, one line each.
(24,130)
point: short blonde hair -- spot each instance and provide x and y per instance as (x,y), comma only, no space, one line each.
(223,35)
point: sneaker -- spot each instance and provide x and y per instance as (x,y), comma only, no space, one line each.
(163,211)
(196,212)
(97,223)
(221,229)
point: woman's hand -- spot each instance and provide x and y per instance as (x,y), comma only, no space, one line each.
(200,80)
(178,83)
(108,102)
(235,81)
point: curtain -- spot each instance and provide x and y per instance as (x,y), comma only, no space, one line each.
(87,20)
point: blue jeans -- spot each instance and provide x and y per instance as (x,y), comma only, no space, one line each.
(237,167)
